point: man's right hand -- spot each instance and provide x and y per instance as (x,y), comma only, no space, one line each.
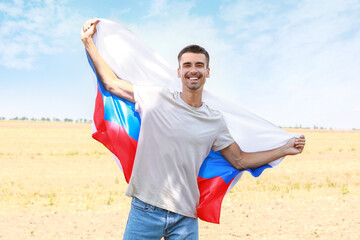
(89,29)
(108,78)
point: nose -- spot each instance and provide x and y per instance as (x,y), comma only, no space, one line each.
(193,70)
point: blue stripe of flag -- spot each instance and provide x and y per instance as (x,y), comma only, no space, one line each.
(216,165)
(118,110)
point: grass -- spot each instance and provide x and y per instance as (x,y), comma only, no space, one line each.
(58,167)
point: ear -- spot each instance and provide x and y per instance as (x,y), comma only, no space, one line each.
(207,72)
(178,71)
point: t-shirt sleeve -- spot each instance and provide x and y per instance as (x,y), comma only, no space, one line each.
(145,96)
(224,138)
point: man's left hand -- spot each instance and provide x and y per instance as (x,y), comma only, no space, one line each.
(295,145)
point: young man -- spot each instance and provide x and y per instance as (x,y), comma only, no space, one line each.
(177,132)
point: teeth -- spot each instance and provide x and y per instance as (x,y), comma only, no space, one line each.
(193,78)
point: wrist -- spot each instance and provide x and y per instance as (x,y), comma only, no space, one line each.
(284,150)
(88,42)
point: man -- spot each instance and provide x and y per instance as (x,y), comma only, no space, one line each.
(177,132)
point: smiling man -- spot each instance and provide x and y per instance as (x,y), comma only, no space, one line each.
(178,130)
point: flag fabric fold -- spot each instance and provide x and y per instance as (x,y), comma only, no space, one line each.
(117,125)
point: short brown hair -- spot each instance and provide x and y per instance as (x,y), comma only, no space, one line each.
(195,49)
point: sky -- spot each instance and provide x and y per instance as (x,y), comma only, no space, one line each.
(294,63)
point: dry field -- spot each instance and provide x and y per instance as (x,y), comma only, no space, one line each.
(58,183)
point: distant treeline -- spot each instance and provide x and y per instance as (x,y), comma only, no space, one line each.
(314,127)
(84,120)
(44,119)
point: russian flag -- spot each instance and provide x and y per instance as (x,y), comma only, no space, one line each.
(117,124)
(117,127)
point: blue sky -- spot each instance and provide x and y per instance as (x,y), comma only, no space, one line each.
(291,62)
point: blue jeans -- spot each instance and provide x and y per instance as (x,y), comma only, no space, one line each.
(148,222)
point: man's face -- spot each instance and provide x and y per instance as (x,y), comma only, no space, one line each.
(193,70)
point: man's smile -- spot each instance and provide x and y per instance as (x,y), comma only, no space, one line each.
(193,79)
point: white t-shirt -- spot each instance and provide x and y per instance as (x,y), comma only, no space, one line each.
(174,140)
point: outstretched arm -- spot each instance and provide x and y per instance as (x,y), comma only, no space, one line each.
(244,160)
(110,81)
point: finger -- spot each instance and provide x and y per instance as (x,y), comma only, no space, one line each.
(302,140)
(88,23)
(85,28)
(94,21)
(299,146)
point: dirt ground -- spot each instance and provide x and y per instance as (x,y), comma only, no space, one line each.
(58,183)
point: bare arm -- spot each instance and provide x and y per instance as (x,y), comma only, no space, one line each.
(244,160)
(110,81)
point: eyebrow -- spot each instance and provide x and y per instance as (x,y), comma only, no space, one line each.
(195,63)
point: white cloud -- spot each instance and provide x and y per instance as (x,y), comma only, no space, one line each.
(306,52)
(158,7)
(34,28)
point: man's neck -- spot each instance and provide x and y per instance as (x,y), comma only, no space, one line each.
(193,98)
